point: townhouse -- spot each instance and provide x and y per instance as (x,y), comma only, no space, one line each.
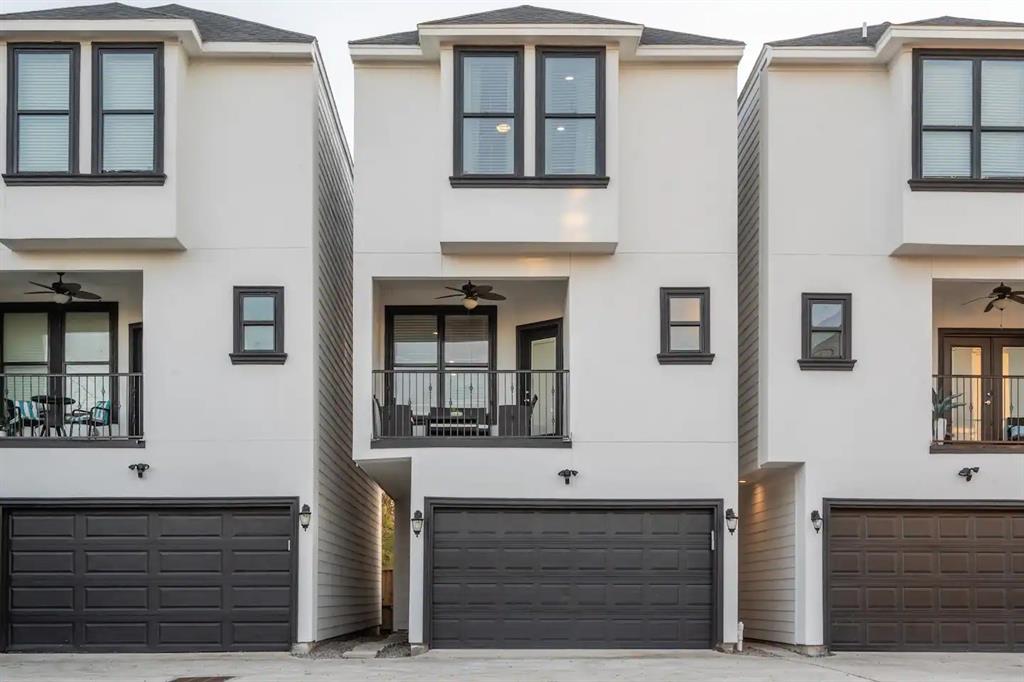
(881,329)
(189,487)
(545,311)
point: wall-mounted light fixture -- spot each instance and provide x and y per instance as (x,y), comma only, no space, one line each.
(568,474)
(141,467)
(967,472)
(304,515)
(816,520)
(417,523)
(731,520)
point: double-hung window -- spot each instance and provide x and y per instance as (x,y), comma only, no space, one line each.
(488,112)
(570,112)
(969,116)
(43,106)
(259,326)
(826,327)
(127,108)
(685,326)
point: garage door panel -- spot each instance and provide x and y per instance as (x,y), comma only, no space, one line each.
(571,577)
(160,579)
(924,579)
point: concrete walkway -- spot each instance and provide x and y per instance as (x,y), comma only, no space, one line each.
(535,666)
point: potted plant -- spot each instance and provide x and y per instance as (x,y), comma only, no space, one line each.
(942,406)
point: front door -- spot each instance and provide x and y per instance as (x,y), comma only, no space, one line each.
(539,347)
(135,379)
(985,369)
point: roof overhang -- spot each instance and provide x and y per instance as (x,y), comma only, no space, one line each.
(182,30)
(625,36)
(895,39)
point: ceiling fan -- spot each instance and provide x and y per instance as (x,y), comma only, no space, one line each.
(1000,293)
(66,290)
(472,293)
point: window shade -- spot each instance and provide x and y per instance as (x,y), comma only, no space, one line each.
(128,103)
(127,142)
(485,148)
(1002,155)
(26,337)
(570,85)
(87,337)
(44,81)
(488,84)
(570,146)
(415,340)
(947,92)
(127,81)
(945,154)
(1002,93)
(43,143)
(466,340)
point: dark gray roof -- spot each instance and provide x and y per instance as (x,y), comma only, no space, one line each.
(212,26)
(852,37)
(528,14)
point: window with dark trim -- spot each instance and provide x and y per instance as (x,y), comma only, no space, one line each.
(128,103)
(826,331)
(42,108)
(685,326)
(570,112)
(488,112)
(968,113)
(259,326)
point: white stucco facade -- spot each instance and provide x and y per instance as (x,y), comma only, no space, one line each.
(595,257)
(837,215)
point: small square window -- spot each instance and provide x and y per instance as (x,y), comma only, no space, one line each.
(685,329)
(826,322)
(259,326)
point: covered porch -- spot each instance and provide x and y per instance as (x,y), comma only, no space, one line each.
(71,358)
(470,363)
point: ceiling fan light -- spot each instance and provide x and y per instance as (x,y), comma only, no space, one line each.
(470,303)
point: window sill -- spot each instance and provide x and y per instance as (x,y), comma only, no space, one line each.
(62,179)
(965,185)
(826,364)
(685,358)
(546,182)
(258,358)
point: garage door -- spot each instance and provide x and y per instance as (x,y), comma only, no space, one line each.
(162,578)
(508,577)
(926,579)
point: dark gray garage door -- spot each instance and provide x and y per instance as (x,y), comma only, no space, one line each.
(148,578)
(508,577)
(926,579)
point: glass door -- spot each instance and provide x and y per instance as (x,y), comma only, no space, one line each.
(1010,398)
(540,355)
(984,373)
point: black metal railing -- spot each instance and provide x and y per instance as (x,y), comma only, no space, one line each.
(73,406)
(470,403)
(977,409)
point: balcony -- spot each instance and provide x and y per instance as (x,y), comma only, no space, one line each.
(470,408)
(977,413)
(71,409)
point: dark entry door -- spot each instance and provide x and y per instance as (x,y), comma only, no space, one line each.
(539,359)
(148,578)
(571,577)
(135,381)
(986,370)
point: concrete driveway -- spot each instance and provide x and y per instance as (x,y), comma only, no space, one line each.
(535,666)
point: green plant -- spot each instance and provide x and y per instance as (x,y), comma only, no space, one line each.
(943,405)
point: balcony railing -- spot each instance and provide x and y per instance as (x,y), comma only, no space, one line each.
(69,408)
(428,406)
(978,409)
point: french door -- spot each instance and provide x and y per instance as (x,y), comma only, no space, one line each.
(984,371)
(539,350)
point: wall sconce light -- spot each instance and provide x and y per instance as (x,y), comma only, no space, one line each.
(417,523)
(568,474)
(141,467)
(967,472)
(731,520)
(304,515)
(816,521)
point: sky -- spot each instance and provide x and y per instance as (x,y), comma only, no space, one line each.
(755,22)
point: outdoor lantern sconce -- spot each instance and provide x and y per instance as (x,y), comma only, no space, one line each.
(141,467)
(567,474)
(731,520)
(816,521)
(417,523)
(304,517)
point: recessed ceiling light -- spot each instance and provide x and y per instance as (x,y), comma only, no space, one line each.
(742,481)
(503,127)
(569,78)
(560,129)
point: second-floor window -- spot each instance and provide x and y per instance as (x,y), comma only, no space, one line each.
(43,106)
(969,115)
(570,129)
(127,110)
(488,112)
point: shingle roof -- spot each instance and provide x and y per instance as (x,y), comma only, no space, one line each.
(852,37)
(528,14)
(212,26)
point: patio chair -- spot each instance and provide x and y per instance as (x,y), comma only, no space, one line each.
(1015,428)
(22,413)
(95,418)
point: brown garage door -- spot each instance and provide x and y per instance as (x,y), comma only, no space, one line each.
(925,579)
(148,577)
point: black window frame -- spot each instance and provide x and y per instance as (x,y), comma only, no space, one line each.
(542,54)
(13,114)
(241,356)
(974,182)
(459,114)
(844,363)
(702,356)
(157,50)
